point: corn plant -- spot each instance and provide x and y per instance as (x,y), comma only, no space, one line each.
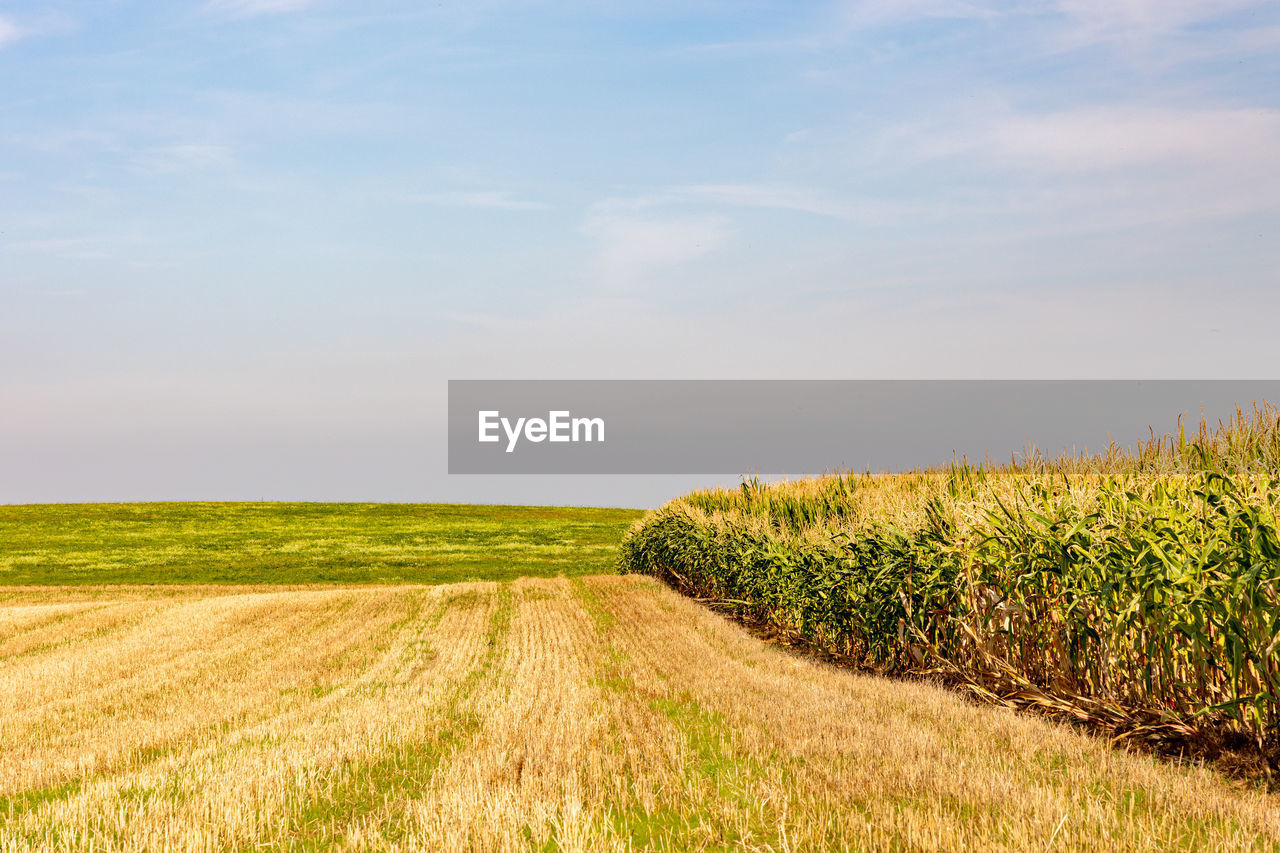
(1139,588)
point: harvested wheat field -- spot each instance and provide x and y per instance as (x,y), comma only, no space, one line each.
(598,713)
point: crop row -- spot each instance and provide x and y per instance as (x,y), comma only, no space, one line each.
(1139,589)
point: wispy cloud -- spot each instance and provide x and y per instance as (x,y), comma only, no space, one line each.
(1119,137)
(9,31)
(173,159)
(1146,29)
(481,199)
(1093,21)
(1087,21)
(82,248)
(770,196)
(255,8)
(863,14)
(1100,139)
(630,247)
(1095,170)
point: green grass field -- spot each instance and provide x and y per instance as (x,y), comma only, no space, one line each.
(302,543)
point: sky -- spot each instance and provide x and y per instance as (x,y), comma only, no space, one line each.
(245,243)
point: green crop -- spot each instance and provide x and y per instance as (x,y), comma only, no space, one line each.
(1138,589)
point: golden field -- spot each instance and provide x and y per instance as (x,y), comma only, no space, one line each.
(597,713)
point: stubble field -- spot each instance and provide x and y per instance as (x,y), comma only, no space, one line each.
(590,713)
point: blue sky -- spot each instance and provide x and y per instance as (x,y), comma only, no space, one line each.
(243,243)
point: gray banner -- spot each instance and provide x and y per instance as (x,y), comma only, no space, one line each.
(795,427)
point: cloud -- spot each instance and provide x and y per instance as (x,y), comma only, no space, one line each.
(1138,28)
(1101,139)
(635,235)
(1093,170)
(1088,21)
(629,247)
(770,196)
(864,14)
(482,199)
(173,159)
(798,199)
(9,31)
(1093,21)
(81,248)
(1113,138)
(255,8)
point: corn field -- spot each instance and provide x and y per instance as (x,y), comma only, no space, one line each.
(1138,589)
